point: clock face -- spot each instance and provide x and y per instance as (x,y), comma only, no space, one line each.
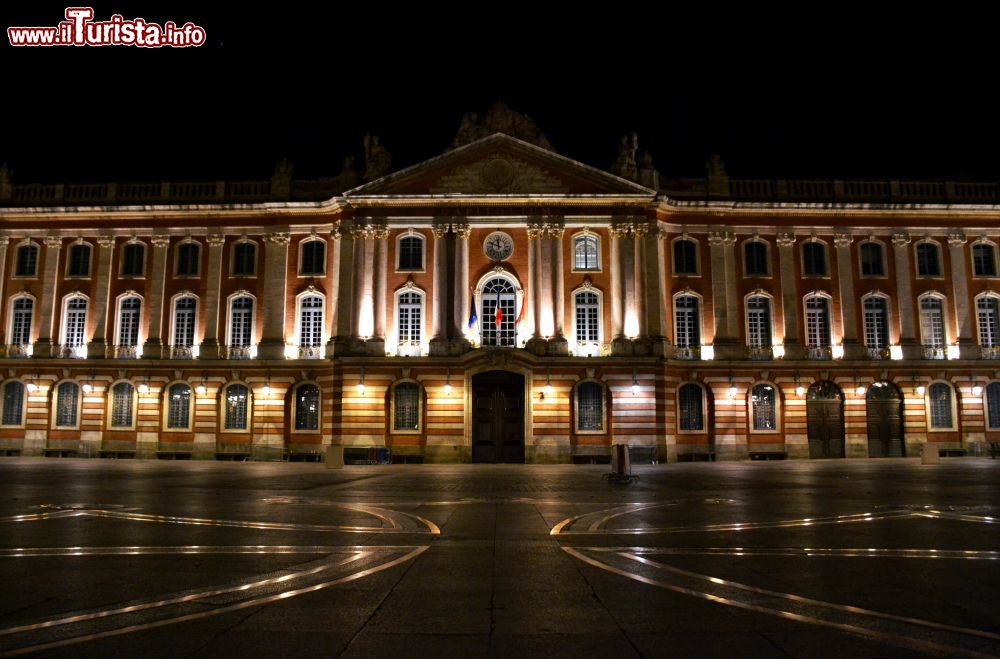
(498,246)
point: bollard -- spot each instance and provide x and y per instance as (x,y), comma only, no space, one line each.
(931,456)
(334,457)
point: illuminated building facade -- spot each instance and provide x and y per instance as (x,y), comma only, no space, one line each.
(499,302)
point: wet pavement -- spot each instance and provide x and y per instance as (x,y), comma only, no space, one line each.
(774,559)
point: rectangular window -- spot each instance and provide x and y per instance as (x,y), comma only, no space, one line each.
(21,322)
(67,399)
(759,322)
(817,323)
(932,323)
(79,261)
(407,407)
(876,327)
(814,259)
(245,259)
(590,406)
(928,260)
(987,311)
(184,312)
(686,321)
(984,262)
(121,405)
(411,253)
(27,261)
(409,321)
(587,318)
(128,322)
(871,260)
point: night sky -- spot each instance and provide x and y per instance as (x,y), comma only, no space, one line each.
(845,96)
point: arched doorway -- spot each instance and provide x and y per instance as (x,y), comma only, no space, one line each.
(884,406)
(498,417)
(825,420)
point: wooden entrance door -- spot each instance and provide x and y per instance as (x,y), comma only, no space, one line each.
(825,420)
(884,406)
(497,417)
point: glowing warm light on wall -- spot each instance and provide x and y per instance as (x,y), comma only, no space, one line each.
(977,390)
(366,319)
(201,389)
(732,392)
(87,388)
(291,351)
(631,325)
(895,352)
(708,352)
(31,387)
(952,351)
(447,389)
(860,390)
(800,390)
(921,389)
(838,351)
(143,388)
(546,327)
(778,350)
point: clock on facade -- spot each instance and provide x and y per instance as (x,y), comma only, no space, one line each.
(498,246)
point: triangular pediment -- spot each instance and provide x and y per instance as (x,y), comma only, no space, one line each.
(499,165)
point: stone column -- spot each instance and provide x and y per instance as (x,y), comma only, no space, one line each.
(44,346)
(98,348)
(461,316)
(439,296)
(558,345)
(623,267)
(664,301)
(153,347)
(360,235)
(853,349)
(333,301)
(212,303)
(617,233)
(534,288)
(638,274)
(726,341)
(789,296)
(968,348)
(380,269)
(904,297)
(4,242)
(272,343)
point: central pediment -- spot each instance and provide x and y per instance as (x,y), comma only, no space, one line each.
(499,165)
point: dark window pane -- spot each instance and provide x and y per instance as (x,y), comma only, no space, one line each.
(13,403)
(590,406)
(27,261)
(691,410)
(307,407)
(411,253)
(407,406)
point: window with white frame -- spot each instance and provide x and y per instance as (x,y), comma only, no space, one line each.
(759,321)
(993,405)
(78,260)
(588,317)
(245,259)
(67,404)
(764,407)
(122,405)
(876,318)
(75,322)
(590,407)
(409,317)
(310,321)
(237,402)
(814,259)
(410,253)
(932,322)
(307,407)
(872,261)
(685,257)
(585,253)
(185,310)
(133,260)
(313,257)
(13,403)
(755,258)
(984,260)
(241,322)
(817,322)
(26,262)
(406,406)
(928,259)
(129,314)
(691,407)
(179,406)
(497,328)
(188,257)
(20,324)
(988,312)
(939,404)
(687,322)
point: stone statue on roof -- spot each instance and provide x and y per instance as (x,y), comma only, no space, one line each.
(625,164)
(499,119)
(377,158)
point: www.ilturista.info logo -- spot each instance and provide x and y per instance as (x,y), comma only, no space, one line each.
(79,29)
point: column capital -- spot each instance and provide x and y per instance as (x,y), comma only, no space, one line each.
(53,242)
(900,239)
(4,241)
(555,230)
(721,238)
(535,229)
(786,239)
(957,239)
(662,234)
(336,231)
(106,241)
(620,229)
(279,238)
(641,229)
(379,231)
(359,232)
(160,242)
(462,230)
(216,240)
(843,240)
(440,229)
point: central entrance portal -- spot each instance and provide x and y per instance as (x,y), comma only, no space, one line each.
(498,417)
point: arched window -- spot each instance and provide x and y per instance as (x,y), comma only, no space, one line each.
(687,325)
(78,260)
(240,325)
(759,322)
(406,406)
(588,317)
(410,250)
(122,405)
(691,407)
(67,405)
(313,257)
(236,400)
(590,407)
(497,327)
(129,316)
(987,309)
(872,262)
(310,321)
(817,322)
(179,406)
(22,310)
(932,326)
(755,258)
(26,264)
(993,406)
(813,259)
(13,403)
(74,323)
(245,259)
(685,257)
(876,324)
(928,259)
(409,320)
(188,257)
(939,406)
(185,315)
(585,252)
(984,260)
(764,407)
(133,260)
(307,407)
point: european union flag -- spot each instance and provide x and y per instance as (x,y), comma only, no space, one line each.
(472,314)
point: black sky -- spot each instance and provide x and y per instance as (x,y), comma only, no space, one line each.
(776,94)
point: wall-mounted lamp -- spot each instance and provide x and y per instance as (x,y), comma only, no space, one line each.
(732,387)
(361,383)
(921,389)
(201,388)
(31,386)
(859,388)
(635,384)
(144,385)
(447,384)
(977,389)
(799,389)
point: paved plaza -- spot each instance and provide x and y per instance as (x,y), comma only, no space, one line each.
(765,559)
